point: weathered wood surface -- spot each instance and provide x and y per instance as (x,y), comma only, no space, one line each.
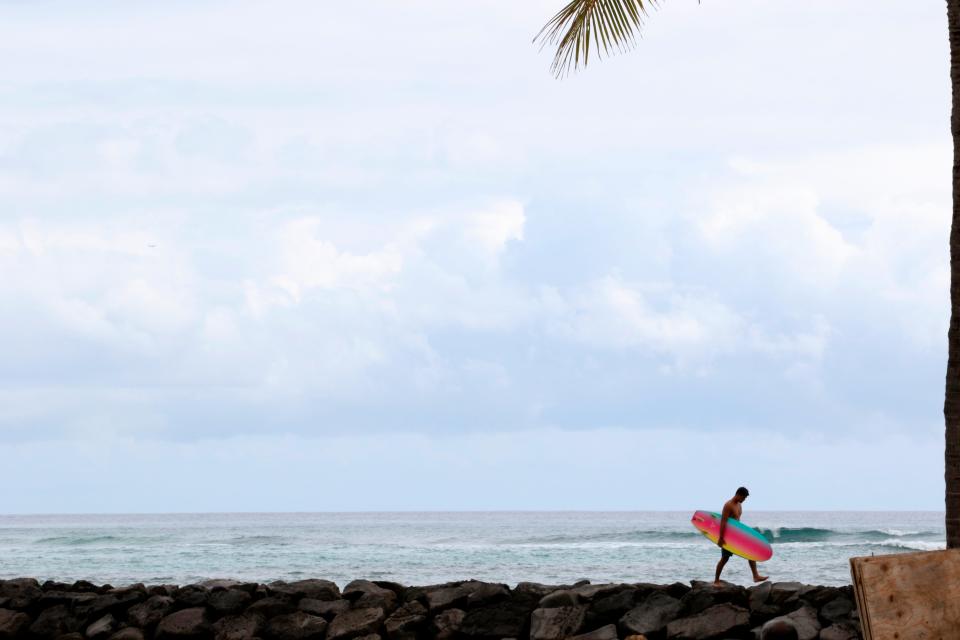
(909,596)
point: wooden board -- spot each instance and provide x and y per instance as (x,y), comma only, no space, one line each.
(909,596)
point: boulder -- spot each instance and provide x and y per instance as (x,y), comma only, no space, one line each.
(676,590)
(611,608)
(718,621)
(55,621)
(220,583)
(227,601)
(704,595)
(83,585)
(364,594)
(561,598)
(406,620)
(535,588)
(272,606)
(102,628)
(651,616)
(837,610)
(784,593)
(608,632)
(316,589)
(127,633)
(447,623)
(806,621)
(816,597)
(20,592)
(484,593)
(326,608)
(508,619)
(758,595)
(355,623)
(13,624)
(839,632)
(556,623)
(76,635)
(589,592)
(192,595)
(186,623)
(245,626)
(150,611)
(447,597)
(296,626)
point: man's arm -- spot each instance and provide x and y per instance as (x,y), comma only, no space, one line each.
(723,524)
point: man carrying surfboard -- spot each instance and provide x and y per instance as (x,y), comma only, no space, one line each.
(733,509)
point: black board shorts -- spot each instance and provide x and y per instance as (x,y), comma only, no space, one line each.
(726,555)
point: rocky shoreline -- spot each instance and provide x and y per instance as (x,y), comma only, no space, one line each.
(378,610)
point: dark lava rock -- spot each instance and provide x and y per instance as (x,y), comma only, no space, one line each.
(447,597)
(819,596)
(102,628)
(759,594)
(608,632)
(507,619)
(447,623)
(192,595)
(839,632)
(806,622)
(676,590)
(296,626)
(84,585)
(221,583)
(590,592)
(556,623)
(316,589)
(150,611)
(326,608)
(186,623)
(784,593)
(704,595)
(837,610)
(226,601)
(76,635)
(127,633)
(243,627)
(718,621)
(272,606)
(355,622)
(484,593)
(21,592)
(561,598)
(55,621)
(611,608)
(12,624)
(651,616)
(364,594)
(535,588)
(406,620)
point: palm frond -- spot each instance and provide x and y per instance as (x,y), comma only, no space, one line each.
(607,26)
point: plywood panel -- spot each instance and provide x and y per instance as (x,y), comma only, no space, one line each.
(909,596)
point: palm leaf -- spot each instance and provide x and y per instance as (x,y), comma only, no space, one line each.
(607,26)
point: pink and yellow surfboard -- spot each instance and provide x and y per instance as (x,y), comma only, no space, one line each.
(738,538)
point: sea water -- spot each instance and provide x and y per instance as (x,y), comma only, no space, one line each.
(432,547)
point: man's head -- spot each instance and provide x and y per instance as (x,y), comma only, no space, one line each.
(742,494)
(778,630)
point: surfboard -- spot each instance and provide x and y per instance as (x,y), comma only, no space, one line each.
(738,538)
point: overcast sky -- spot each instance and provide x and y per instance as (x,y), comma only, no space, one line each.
(372,256)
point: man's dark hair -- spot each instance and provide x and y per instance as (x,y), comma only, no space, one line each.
(742,491)
(779,630)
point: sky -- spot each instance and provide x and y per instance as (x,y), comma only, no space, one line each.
(325,256)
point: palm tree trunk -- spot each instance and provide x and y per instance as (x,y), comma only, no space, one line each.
(951,405)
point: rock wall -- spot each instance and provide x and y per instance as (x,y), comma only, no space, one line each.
(470,610)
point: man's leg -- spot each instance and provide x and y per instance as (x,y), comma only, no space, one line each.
(724,556)
(756,576)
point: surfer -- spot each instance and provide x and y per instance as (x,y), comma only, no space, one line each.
(733,508)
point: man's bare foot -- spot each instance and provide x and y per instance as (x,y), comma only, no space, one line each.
(718,583)
(759,578)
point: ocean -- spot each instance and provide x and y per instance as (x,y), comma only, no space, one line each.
(432,547)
